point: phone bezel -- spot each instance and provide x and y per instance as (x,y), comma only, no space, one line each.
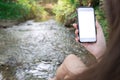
(82,40)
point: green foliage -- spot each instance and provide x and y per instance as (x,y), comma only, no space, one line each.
(74,3)
(85,2)
(20,9)
(10,10)
(64,8)
(40,13)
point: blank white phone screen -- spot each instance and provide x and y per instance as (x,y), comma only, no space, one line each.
(86,24)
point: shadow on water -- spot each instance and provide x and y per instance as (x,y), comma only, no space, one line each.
(8,69)
(7,72)
(34,50)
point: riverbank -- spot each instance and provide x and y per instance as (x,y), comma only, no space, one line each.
(8,23)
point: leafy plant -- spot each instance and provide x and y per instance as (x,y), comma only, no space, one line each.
(9,10)
(20,9)
(64,8)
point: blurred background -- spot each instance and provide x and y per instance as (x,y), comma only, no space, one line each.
(36,36)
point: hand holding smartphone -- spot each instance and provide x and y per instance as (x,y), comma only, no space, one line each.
(86,24)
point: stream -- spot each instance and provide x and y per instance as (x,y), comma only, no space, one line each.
(34,50)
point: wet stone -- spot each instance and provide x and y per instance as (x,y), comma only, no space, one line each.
(34,50)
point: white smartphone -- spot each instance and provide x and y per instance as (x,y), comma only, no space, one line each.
(86,24)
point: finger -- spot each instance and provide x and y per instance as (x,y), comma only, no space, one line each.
(75,26)
(76,32)
(77,39)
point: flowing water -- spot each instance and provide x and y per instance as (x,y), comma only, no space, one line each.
(34,50)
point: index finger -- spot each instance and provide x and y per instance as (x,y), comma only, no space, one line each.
(75,26)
